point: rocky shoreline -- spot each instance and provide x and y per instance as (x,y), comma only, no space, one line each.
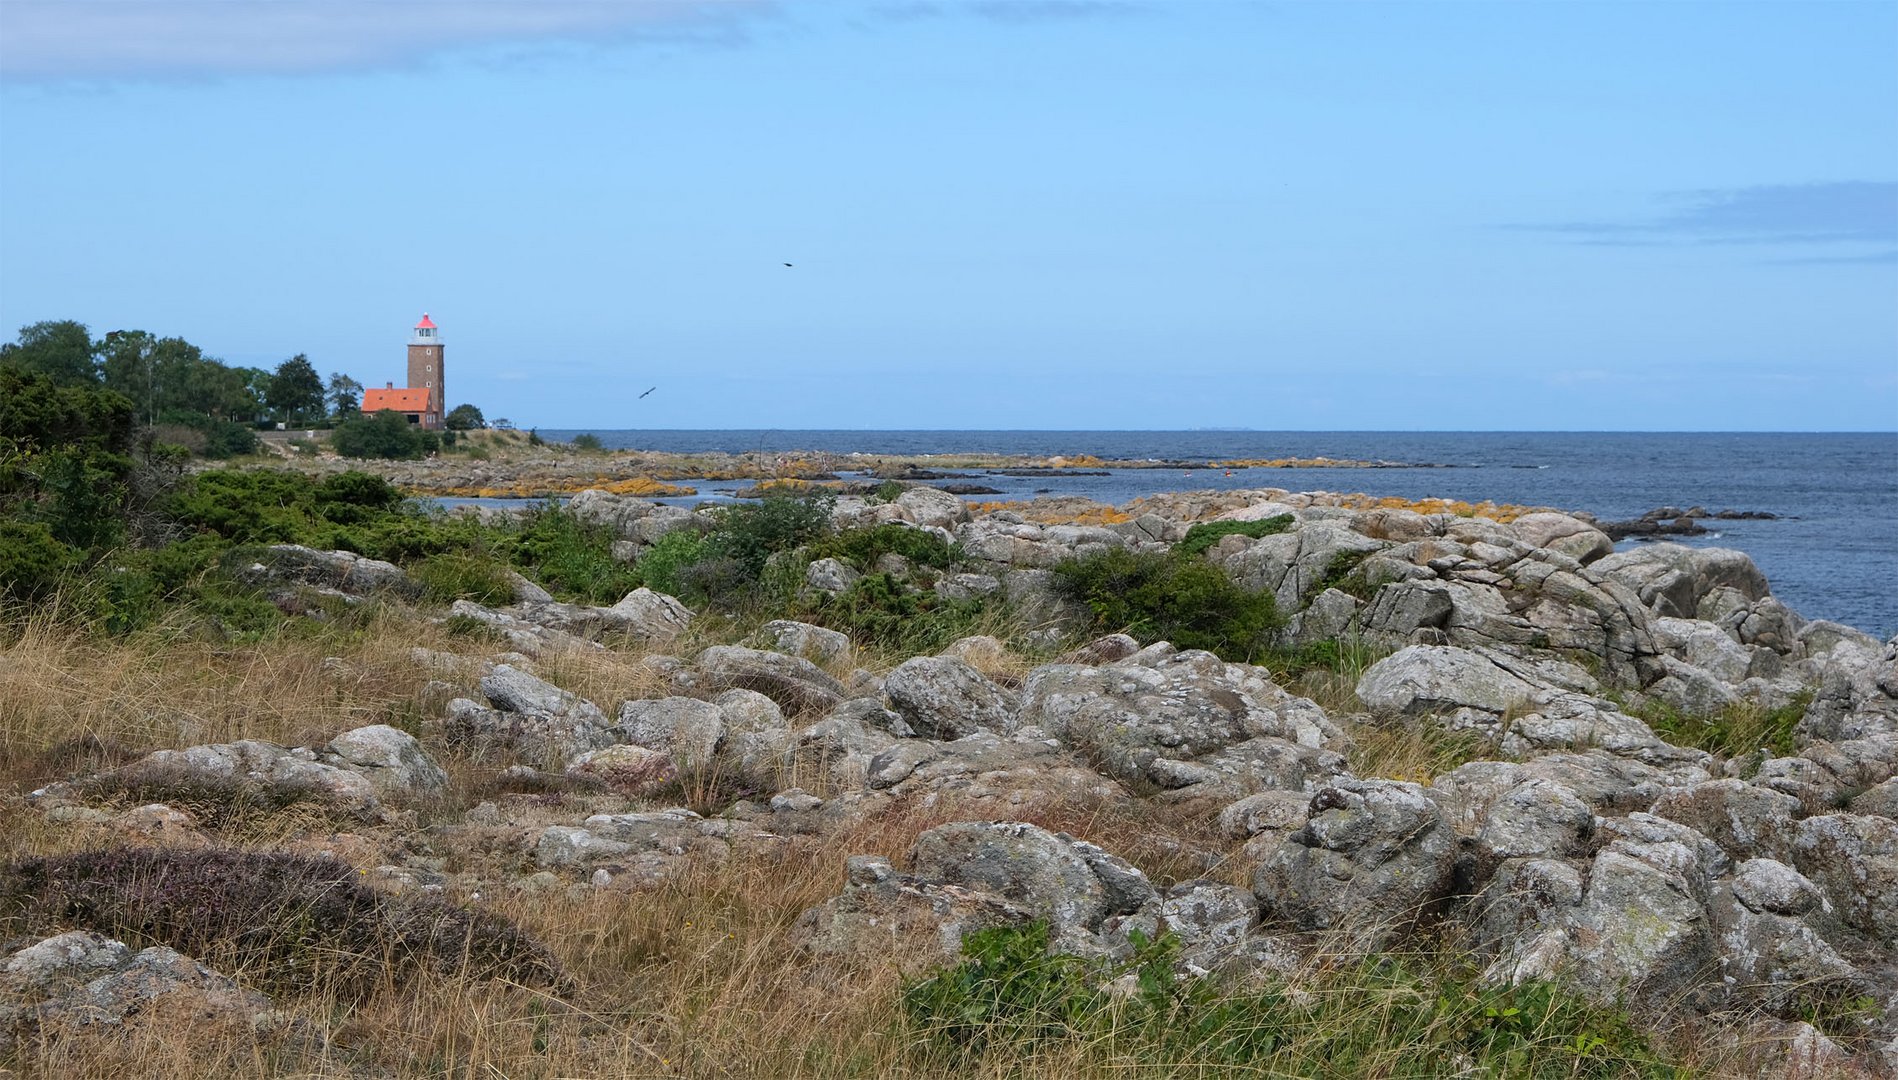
(1581,843)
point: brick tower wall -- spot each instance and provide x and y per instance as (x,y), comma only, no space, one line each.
(425,371)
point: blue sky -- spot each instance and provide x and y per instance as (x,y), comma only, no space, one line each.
(1677,216)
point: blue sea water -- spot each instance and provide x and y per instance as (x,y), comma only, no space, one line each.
(1832,553)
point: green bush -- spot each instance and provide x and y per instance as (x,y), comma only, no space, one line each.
(1182,599)
(572,558)
(32,562)
(1200,538)
(881,611)
(751,533)
(861,548)
(662,565)
(587,441)
(385,434)
(464,576)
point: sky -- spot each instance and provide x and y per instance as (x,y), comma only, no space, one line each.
(1026,214)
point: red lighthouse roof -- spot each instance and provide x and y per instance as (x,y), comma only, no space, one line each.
(425,324)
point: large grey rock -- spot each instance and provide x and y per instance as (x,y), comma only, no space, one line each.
(931,506)
(531,716)
(84,980)
(1672,579)
(1373,856)
(894,920)
(392,761)
(1423,679)
(686,729)
(1744,819)
(1854,859)
(1292,564)
(796,684)
(944,698)
(1189,724)
(647,615)
(341,570)
(246,770)
(1536,818)
(1091,899)
(814,643)
(830,575)
(1769,957)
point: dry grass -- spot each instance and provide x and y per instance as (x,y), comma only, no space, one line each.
(695,977)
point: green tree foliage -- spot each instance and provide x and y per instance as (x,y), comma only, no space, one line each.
(464,418)
(345,396)
(296,391)
(62,350)
(65,453)
(386,434)
(165,375)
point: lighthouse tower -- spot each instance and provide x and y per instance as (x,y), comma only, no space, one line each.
(425,371)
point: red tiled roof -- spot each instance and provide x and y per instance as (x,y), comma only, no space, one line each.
(425,324)
(402,399)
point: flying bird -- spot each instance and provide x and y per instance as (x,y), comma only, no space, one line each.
(787,264)
(649,391)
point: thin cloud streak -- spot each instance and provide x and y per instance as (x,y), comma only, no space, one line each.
(1838,212)
(56,40)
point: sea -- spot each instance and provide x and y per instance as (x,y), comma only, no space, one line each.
(1830,552)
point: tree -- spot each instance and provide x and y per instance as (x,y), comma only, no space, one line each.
(464,418)
(345,396)
(387,434)
(296,391)
(62,350)
(162,375)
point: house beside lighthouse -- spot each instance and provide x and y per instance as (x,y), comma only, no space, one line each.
(422,400)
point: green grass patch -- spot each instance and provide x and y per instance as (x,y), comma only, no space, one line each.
(1740,729)
(1010,1004)
(862,548)
(1200,538)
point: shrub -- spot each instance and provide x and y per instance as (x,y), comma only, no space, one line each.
(571,557)
(662,566)
(751,533)
(464,576)
(587,441)
(861,548)
(31,560)
(881,611)
(1182,599)
(287,922)
(1203,536)
(386,434)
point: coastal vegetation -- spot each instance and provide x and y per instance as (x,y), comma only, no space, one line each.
(390,877)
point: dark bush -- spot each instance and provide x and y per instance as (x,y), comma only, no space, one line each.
(1203,536)
(861,548)
(1182,599)
(31,560)
(285,922)
(385,434)
(571,557)
(753,532)
(881,611)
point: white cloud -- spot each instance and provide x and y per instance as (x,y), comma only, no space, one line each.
(111,39)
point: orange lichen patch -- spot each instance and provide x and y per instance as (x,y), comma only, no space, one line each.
(647,487)
(1503,512)
(1055,515)
(1073,461)
(541,487)
(1293,463)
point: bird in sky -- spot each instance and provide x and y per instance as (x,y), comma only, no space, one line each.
(787,264)
(649,391)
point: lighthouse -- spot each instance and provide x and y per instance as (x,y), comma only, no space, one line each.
(425,370)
